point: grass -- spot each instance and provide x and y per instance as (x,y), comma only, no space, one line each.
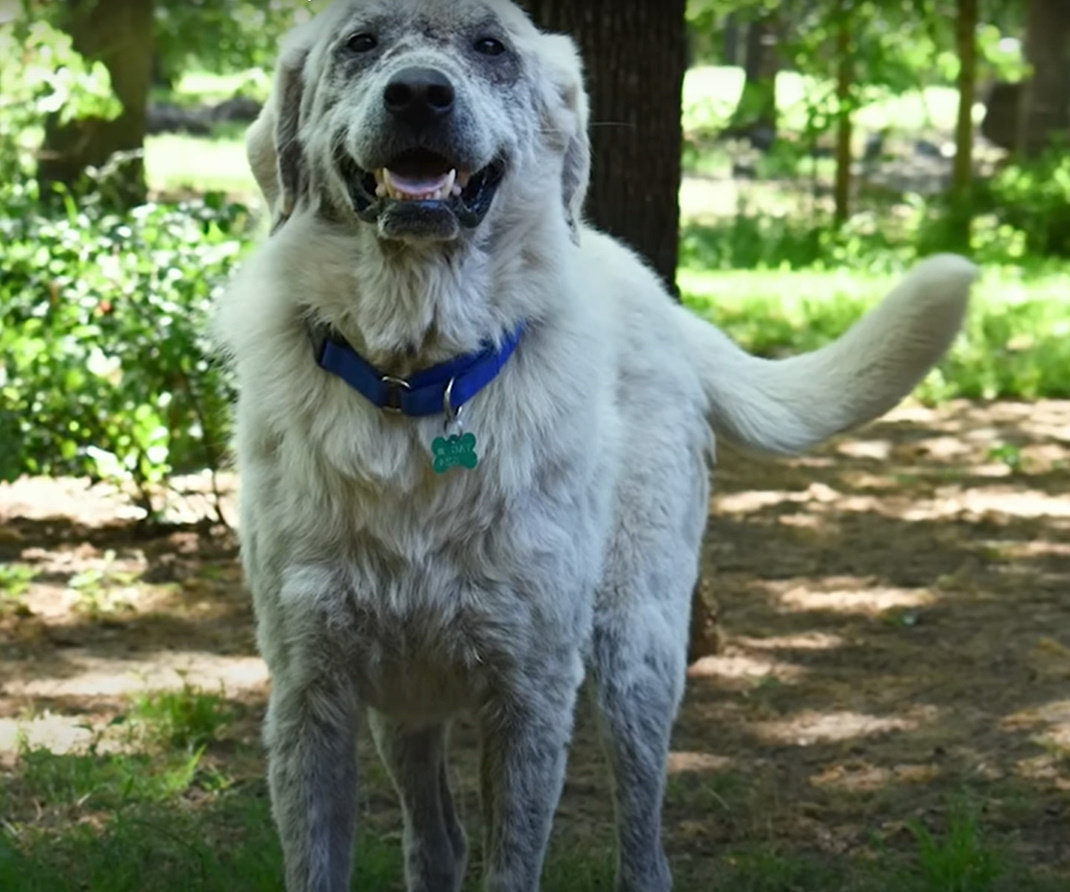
(187,718)
(711,93)
(1014,343)
(154,803)
(15,581)
(124,823)
(170,797)
(177,163)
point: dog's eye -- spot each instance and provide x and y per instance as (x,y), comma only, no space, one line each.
(489,46)
(362,43)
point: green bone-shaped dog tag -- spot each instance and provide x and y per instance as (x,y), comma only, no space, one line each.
(457,451)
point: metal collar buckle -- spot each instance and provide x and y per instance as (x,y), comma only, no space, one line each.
(394,388)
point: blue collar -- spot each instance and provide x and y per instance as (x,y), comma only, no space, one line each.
(443,388)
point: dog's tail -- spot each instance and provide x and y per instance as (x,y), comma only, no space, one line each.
(784,406)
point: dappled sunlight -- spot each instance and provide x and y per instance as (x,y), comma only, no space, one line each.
(859,776)
(76,500)
(802,641)
(57,733)
(1048,768)
(735,666)
(878,450)
(87,675)
(950,500)
(854,585)
(1014,501)
(1048,722)
(847,595)
(681,762)
(812,727)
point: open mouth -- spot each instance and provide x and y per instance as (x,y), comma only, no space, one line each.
(424,181)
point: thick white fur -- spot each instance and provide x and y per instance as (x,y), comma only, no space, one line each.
(387,592)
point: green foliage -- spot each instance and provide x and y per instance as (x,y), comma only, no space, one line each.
(96,780)
(15,581)
(104,364)
(220,37)
(960,861)
(1014,344)
(43,75)
(188,718)
(1033,197)
(784,243)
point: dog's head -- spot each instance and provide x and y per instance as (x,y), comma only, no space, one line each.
(422,118)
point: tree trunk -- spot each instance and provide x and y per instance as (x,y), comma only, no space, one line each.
(635,54)
(118,33)
(1045,109)
(731,39)
(962,172)
(755,115)
(844,124)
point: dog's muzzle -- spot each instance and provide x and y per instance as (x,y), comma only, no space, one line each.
(423,190)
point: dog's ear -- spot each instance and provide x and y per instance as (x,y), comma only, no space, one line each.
(562,63)
(272,146)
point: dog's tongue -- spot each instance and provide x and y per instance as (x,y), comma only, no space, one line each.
(419,186)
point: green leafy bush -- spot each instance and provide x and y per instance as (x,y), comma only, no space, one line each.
(1033,197)
(104,366)
(42,75)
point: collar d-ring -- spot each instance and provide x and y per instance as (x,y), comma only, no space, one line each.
(452,415)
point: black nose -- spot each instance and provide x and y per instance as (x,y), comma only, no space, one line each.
(419,96)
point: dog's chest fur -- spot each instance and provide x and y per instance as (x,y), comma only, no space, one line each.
(434,592)
(432,586)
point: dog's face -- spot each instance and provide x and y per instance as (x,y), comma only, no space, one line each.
(418,117)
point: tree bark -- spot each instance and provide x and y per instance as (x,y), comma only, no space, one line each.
(962,171)
(844,123)
(635,53)
(1045,109)
(118,33)
(755,115)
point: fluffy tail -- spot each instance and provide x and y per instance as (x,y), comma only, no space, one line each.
(785,406)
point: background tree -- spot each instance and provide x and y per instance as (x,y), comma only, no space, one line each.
(962,172)
(119,34)
(845,78)
(1045,106)
(636,56)
(755,116)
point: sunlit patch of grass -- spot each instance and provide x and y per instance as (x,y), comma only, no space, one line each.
(187,718)
(712,92)
(176,162)
(960,859)
(100,593)
(15,582)
(1014,344)
(206,86)
(95,780)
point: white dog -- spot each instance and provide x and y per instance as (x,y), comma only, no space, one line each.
(474,438)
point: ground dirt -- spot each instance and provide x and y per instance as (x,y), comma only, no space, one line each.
(896,622)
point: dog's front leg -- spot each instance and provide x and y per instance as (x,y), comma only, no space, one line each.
(311,740)
(525,733)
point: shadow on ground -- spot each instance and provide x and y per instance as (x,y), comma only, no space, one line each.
(897,656)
